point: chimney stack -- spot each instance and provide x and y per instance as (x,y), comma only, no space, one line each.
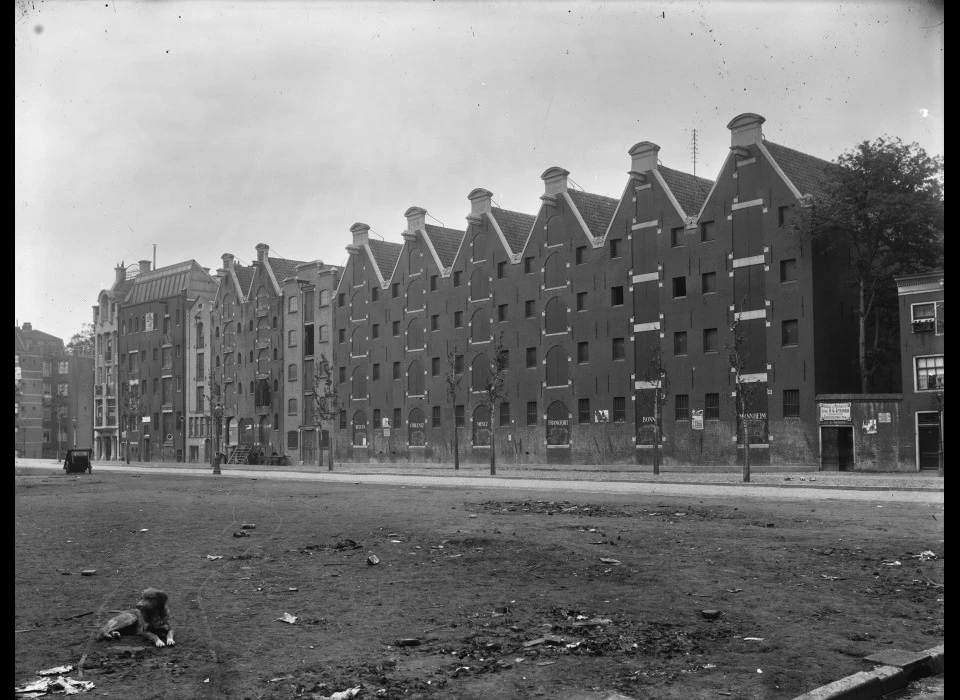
(416,218)
(144,266)
(27,326)
(480,201)
(554,180)
(745,129)
(644,157)
(121,275)
(262,250)
(361,234)
(227,259)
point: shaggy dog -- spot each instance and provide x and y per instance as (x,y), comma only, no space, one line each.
(148,619)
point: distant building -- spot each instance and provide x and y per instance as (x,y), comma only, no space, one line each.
(54,409)
(922,360)
(199,418)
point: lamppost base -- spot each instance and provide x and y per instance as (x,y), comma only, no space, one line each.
(216,465)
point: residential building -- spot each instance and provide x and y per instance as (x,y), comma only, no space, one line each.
(199,407)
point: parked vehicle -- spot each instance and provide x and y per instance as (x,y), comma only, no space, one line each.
(78,460)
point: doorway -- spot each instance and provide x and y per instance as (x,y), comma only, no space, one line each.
(836,448)
(928,441)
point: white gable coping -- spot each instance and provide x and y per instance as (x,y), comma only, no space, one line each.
(673,200)
(713,187)
(595,242)
(617,210)
(514,257)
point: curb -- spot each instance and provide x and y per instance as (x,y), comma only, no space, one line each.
(896,669)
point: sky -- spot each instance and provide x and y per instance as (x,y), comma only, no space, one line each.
(208,127)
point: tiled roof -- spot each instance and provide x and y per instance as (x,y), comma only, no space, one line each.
(691,191)
(808,173)
(244,275)
(284,268)
(122,289)
(168,281)
(385,255)
(596,210)
(446,241)
(515,226)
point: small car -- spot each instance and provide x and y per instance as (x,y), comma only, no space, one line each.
(78,460)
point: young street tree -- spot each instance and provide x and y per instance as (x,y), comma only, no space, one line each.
(743,391)
(494,392)
(882,209)
(83,343)
(132,406)
(454,378)
(659,383)
(326,403)
(214,410)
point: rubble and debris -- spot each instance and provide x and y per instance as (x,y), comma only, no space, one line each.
(346,544)
(409,642)
(753,639)
(214,557)
(710,614)
(60,684)
(924,556)
(605,560)
(55,671)
(895,562)
(88,572)
(242,533)
(342,695)
(372,560)
(288,618)
(248,526)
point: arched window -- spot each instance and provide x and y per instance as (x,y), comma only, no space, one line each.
(478,247)
(479,284)
(415,379)
(415,296)
(480,373)
(239,327)
(250,325)
(481,427)
(554,230)
(358,306)
(359,429)
(555,316)
(416,429)
(274,321)
(557,366)
(555,272)
(358,384)
(415,334)
(291,373)
(276,385)
(357,342)
(480,327)
(216,332)
(558,424)
(291,406)
(415,260)
(263,393)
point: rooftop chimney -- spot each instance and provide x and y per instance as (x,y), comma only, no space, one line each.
(262,250)
(121,274)
(227,259)
(361,234)
(644,157)
(745,129)
(555,180)
(416,218)
(27,326)
(480,201)
(144,266)
(220,274)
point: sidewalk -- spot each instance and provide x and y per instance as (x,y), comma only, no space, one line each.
(783,477)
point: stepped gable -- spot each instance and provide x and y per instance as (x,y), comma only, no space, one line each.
(515,227)
(690,191)
(446,241)
(808,174)
(596,210)
(385,255)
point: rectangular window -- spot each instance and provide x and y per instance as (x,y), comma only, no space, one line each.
(583,411)
(531,412)
(375,294)
(458,413)
(343,420)
(619,349)
(504,413)
(791,403)
(200,399)
(501,270)
(433,283)
(581,251)
(395,328)
(434,366)
(679,287)
(457,281)
(619,409)
(788,270)
(581,301)
(502,313)
(614,247)
(527,266)
(531,358)
(616,296)
(291,339)
(711,406)
(397,418)
(784,216)
(583,352)
(435,322)
(376,371)
(341,335)
(676,237)
(681,407)
(505,359)
(710,340)
(929,371)
(396,370)
(458,364)
(708,282)
(923,317)
(374,331)
(790,333)
(341,300)
(680,343)
(458,319)
(395,290)
(708,231)
(435,417)
(343,375)
(529,308)
(293,305)
(376,418)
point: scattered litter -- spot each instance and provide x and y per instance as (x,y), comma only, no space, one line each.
(924,556)
(534,642)
(248,526)
(679,513)
(615,562)
(769,524)
(241,534)
(786,478)
(346,544)
(759,670)
(393,534)
(471,516)
(574,645)
(454,556)
(288,618)
(813,478)
(711,665)
(710,614)
(832,578)
(60,684)
(55,671)
(411,642)
(293,589)
(146,529)
(753,639)
(545,663)
(891,563)
(519,660)
(280,678)
(342,695)
(396,541)
(214,557)
(88,572)
(372,560)
(734,590)
(596,622)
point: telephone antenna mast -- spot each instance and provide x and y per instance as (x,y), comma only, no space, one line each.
(694,152)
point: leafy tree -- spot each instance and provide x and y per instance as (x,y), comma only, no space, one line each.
(883,207)
(83,343)
(326,402)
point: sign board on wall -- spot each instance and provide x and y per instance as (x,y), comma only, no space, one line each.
(835,411)
(883,418)
(696,419)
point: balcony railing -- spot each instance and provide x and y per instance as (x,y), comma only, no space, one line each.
(924,325)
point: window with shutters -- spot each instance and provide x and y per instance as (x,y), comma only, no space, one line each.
(555,316)
(557,367)
(554,272)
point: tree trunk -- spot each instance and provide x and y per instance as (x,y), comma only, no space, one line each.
(493,450)
(456,440)
(862,340)
(656,432)
(333,442)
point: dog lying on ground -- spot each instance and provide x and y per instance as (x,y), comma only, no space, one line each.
(149,619)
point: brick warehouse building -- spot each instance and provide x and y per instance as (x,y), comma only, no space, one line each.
(583,294)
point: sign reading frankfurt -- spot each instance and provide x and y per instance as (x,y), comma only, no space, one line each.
(835,411)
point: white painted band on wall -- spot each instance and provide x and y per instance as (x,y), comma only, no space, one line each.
(757,377)
(646,277)
(744,205)
(750,315)
(645,224)
(646,384)
(641,327)
(746,262)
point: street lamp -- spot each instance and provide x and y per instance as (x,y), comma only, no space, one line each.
(74,431)
(217,411)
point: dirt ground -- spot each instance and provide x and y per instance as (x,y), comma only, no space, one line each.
(504,594)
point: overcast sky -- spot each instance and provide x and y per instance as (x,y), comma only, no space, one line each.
(210,127)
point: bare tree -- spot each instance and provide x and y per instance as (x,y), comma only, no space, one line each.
(494,392)
(326,402)
(132,406)
(215,412)
(743,391)
(656,375)
(938,399)
(454,378)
